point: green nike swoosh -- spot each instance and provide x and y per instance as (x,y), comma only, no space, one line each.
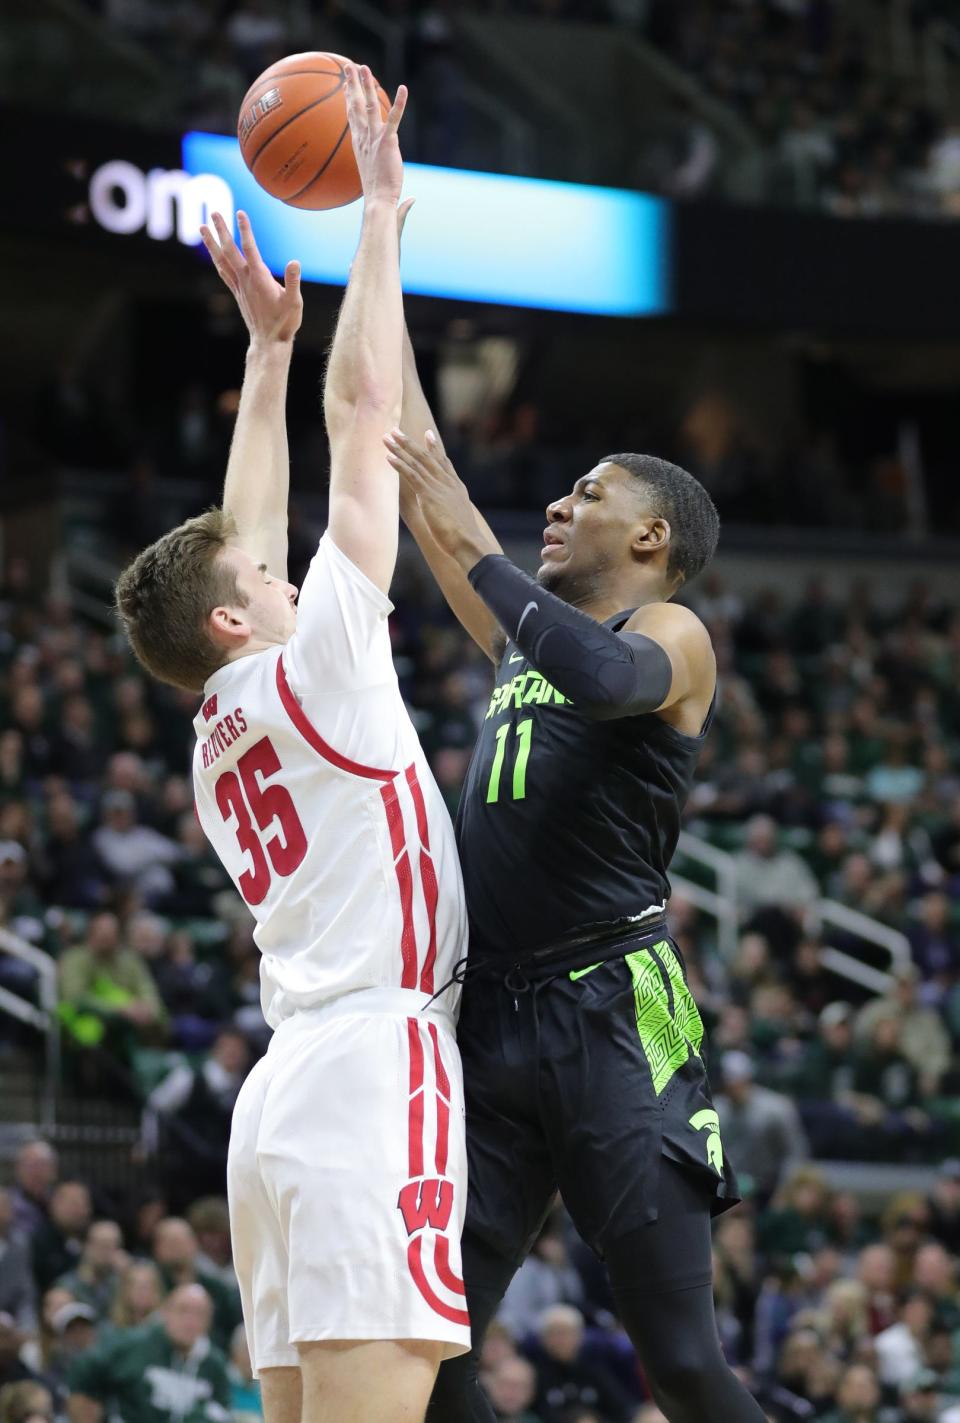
(576,973)
(516,657)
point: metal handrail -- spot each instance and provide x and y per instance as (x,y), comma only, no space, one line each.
(725,870)
(45,1018)
(896,944)
(722,905)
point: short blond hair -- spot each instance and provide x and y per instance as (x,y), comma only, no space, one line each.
(165,596)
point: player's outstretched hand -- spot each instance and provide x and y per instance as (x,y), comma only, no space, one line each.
(272,311)
(376,146)
(427,474)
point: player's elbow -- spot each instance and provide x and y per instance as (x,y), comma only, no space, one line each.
(370,402)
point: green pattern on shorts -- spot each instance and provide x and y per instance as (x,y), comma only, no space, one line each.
(667,1039)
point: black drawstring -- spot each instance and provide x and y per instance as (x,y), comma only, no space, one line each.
(461,969)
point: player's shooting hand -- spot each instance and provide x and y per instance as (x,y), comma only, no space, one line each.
(442,497)
(376,146)
(272,311)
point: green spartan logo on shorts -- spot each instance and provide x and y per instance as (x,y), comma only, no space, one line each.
(709,1121)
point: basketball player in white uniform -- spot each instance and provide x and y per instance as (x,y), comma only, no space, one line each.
(347,1169)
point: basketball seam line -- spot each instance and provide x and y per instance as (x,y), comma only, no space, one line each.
(293,118)
(290,74)
(320,172)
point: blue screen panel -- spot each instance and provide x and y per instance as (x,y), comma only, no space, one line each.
(477,236)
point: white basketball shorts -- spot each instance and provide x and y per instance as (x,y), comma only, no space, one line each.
(347,1178)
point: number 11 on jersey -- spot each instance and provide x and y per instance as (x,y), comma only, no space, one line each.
(524,736)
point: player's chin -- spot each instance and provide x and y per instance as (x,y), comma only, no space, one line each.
(551,577)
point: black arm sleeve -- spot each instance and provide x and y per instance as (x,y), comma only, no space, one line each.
(606,674)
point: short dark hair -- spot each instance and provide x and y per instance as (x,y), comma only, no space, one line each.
(684,503)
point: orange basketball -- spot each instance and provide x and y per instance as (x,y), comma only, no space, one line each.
(294,134)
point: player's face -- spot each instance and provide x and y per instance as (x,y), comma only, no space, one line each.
(270,609)
(589,533)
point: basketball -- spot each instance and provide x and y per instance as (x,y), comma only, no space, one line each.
(294,134)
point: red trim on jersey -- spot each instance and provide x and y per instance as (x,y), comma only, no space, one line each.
(398,839)
(446,1311)
(401,863)
(311,735)
(415,1110)
(443,1103)
(444,1270)
(428,877)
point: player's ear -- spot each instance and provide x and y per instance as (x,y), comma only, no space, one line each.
(650,536)
(227,629)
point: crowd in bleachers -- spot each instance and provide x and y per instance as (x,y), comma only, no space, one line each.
(833,770)
(835,127)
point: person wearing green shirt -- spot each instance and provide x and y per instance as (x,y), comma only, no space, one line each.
(107,993)
(175,1252)
(166,1371)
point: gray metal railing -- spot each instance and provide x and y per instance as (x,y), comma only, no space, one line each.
(721,904)
(43,1018)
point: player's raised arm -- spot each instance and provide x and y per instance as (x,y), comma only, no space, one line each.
(362,392)
(257,483)
(662,657)
(416,420)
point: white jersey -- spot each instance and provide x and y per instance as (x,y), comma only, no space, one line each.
(312,787)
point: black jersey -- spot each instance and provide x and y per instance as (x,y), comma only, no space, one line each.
(566,825)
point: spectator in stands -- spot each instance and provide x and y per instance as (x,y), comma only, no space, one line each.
(876,1270)
(935,1273)
(761,1129)
(944,1206)
(73,1331)
(567,1376)
(798,1218)
(187,1119)
(512,1388)
(187,1373)
(545,1278)
(72,875)
(26,1403)
(900,1349)
(12,1368)
(175,1252)
(140,1294)
(920,1398)
(886,1092)
(209,1219)
(245,1403)
(135,856)
(18,1294)
(107,993)
(58,1241)
(95,1281)
(769,875)
(858,1396)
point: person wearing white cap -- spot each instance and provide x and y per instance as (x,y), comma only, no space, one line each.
(761,1128)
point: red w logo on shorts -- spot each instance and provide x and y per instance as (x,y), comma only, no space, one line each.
(426,1203)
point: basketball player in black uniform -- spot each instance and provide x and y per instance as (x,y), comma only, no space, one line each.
(580,1039)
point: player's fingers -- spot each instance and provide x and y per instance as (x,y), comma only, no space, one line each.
(291,280)
(223,270)
(409,473)
(371,99)
(356,117)
(248,242)
(392,122)
(228,247)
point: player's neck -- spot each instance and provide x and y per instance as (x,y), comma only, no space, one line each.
(604,603)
